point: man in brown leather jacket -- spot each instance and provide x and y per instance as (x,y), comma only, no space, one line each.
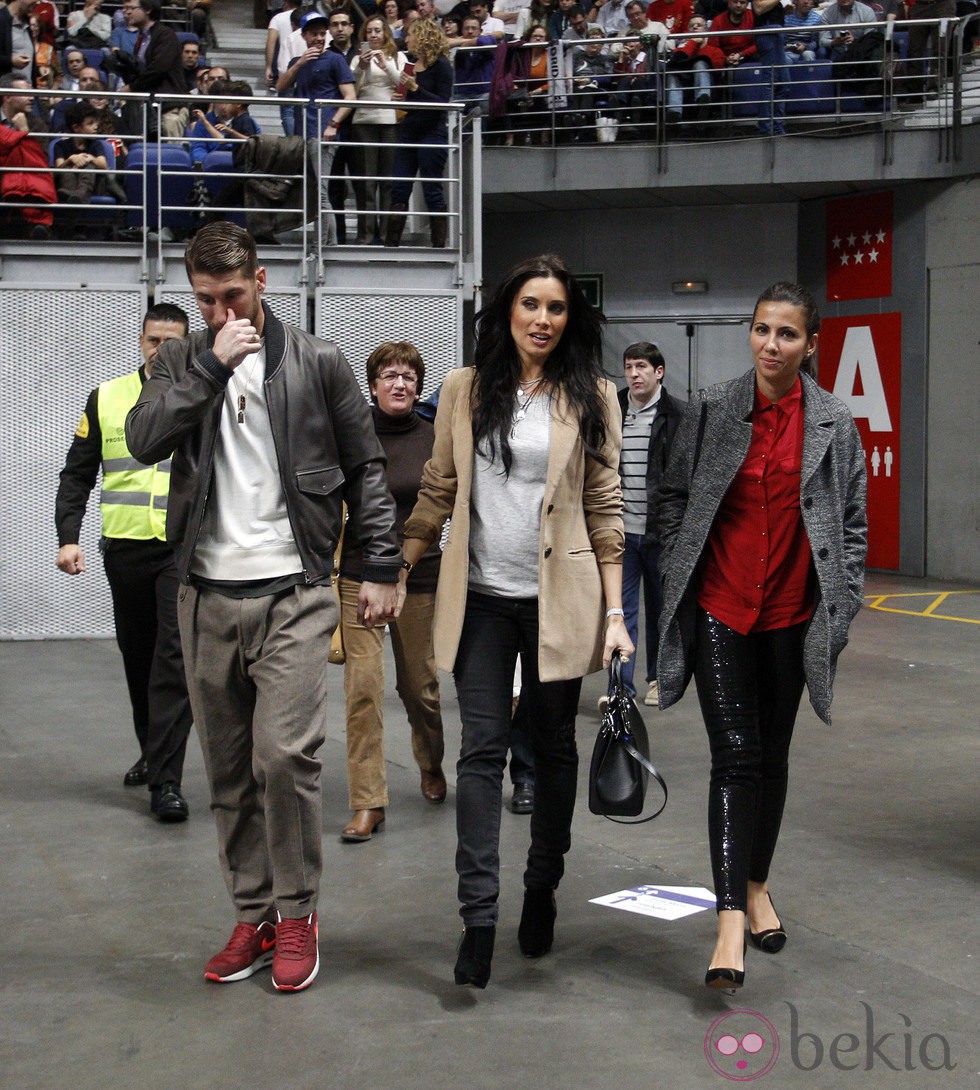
(270,435)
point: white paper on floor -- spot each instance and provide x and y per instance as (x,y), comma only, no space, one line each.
(664,902)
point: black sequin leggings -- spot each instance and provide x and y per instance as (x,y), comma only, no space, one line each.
(749,688)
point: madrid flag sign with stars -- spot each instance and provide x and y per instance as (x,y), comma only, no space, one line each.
(859,247)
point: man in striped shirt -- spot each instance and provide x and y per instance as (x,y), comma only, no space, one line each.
(650,419)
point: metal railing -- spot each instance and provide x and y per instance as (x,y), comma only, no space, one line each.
(164,191)
(659,105)
(162,195)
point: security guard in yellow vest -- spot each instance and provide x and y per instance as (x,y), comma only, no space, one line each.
(139,565)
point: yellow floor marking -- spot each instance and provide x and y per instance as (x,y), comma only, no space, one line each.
(936,600)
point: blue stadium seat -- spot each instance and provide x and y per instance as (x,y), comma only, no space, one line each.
(811,89)
(218,165)
(750,84)
(172,165)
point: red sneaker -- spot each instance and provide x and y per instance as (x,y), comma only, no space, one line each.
(248,950)
(297,958)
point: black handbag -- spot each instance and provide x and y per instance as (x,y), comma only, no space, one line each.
(621,765)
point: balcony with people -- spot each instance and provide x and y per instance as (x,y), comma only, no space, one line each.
(323,146)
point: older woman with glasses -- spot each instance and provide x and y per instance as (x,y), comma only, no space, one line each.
(394,373)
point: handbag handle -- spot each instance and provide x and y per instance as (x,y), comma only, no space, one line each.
(638,756)
(615,670)
(616,681)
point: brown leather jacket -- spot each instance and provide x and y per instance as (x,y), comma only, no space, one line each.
(325,444)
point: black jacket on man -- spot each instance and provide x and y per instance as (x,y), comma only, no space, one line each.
(669,413)
(7,45)
(162,71)
(326,447)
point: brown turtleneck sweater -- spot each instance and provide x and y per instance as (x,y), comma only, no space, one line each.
(407,443)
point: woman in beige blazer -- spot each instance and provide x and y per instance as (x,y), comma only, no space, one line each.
(525,464)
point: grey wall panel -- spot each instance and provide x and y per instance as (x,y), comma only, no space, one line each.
(953,524)
(359,322)
(641,252)
(96,331)
(953,511)
(57,345)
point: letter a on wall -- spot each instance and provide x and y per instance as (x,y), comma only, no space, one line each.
(861,363)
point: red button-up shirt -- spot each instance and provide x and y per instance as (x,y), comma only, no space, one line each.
(756,572)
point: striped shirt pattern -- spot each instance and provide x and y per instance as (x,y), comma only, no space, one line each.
(637,424)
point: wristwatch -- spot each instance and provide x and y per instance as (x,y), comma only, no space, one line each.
(407,567)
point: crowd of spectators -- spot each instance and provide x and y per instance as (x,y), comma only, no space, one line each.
(622,63)
(614,61)
(77,60)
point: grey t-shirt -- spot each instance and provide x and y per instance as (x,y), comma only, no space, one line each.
(505,511)
(21,42)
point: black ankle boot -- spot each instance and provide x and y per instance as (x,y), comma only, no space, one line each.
(536,932)
(438,231)
(474,956)
(395,225)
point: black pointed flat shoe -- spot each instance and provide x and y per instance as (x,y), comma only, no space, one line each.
(725,980)
(770,940)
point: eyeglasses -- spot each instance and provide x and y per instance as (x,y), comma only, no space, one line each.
(389,378)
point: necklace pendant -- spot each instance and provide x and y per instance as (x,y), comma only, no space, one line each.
(241,408)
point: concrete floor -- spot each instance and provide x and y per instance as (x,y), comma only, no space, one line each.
(111,916)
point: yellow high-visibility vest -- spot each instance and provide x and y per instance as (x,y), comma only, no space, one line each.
(134,496)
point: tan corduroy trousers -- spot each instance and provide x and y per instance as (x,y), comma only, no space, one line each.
(415,680)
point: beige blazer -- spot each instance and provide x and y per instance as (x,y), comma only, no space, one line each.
(581,527)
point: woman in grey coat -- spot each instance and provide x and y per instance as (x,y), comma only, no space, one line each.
(764,535)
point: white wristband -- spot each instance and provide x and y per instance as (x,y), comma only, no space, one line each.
(614,613)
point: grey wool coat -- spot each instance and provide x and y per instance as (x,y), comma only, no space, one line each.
(833,483)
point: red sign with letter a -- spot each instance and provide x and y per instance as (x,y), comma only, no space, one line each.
(861,363)
(859,247)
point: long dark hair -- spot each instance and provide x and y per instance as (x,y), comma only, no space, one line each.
(783,291)
(574,367)
(539,12)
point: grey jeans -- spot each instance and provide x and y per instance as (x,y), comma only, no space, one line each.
(321,155)
(256,675)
